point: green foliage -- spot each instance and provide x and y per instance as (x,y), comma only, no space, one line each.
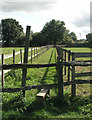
(73,36)
(89,39)
(11,32)
(37,39)
(53,31)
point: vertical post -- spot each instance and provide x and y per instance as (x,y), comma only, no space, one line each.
(31,55)
(59,68)
(24,74)
(21,55)
(13,56)
(2,71)
(69,53)
(34,53)
(65,61)
(37,53)
(73,77)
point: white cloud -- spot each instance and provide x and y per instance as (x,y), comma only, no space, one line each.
(25,6)
(82,21)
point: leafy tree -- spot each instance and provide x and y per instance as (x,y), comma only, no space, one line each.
(11,32)
(37,39)
(53,32)
(73,36)
(89,38)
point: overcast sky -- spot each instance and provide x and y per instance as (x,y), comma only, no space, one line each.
(75,13)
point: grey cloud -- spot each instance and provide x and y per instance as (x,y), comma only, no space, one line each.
(26,6)
(82,21)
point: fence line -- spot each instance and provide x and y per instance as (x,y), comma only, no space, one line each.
(62,61)
(72,63)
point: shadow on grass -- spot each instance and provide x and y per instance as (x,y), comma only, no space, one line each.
(47,69)
(54,106)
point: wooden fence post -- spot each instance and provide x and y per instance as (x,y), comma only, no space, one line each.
(2,71)
(34,53)
(37,52)
(69,53)
(13,56)
(65,61)
(31,55)
(21,55)
(26,57)
(59,68)
(73,77)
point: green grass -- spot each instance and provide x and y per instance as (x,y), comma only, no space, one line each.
(16,106)
(80,50)
(17,57)
(9,50)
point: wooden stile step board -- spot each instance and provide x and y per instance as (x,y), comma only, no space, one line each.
(43,92)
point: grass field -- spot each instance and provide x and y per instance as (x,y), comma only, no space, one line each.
(6,51)
(9,50)
(16,106)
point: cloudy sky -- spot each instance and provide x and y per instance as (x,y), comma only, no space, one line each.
(75,13)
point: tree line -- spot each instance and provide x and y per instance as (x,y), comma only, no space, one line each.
(53,32)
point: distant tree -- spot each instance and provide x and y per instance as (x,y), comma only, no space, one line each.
(37,39)
(73,36)
(53,32)
(89,39)
(11,32)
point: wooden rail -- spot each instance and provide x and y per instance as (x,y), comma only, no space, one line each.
(11,90)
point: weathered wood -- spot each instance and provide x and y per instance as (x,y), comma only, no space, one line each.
(26,65)
(83,74)
(21,55)
(17,66)
(10,90)
(26,57)
(34,53)
(86,54)
(43,92)
(73,87)
(2,71)
(31,55)
(59,68)
(13,56)
(65,61)
(78,82)
(37,52)
(69,53)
